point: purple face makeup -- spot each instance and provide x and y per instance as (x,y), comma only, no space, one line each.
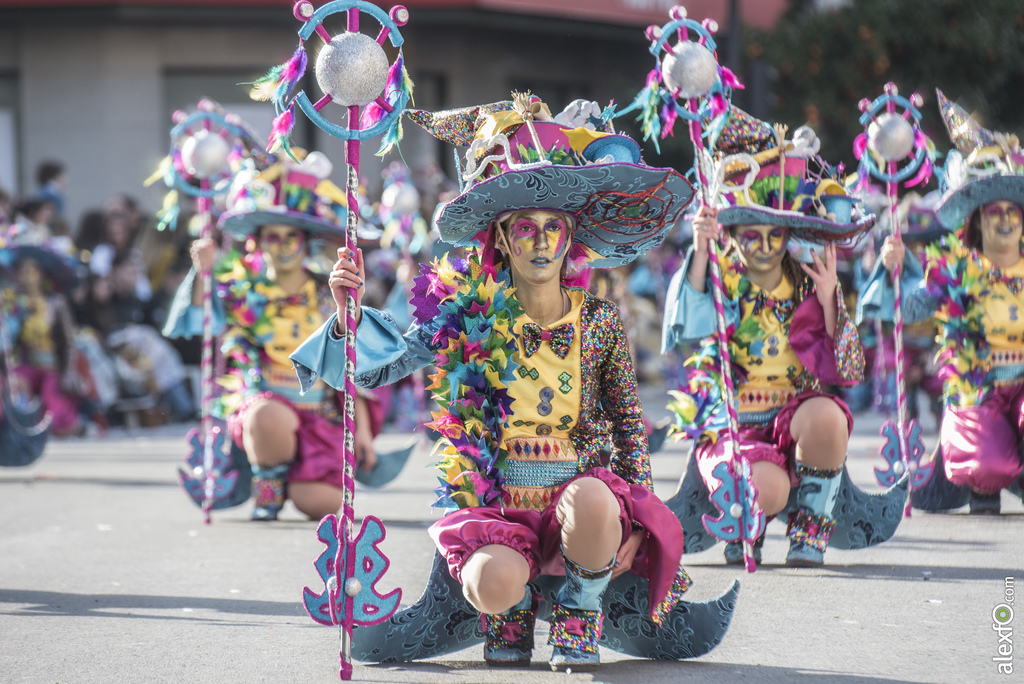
(1011,214)
(763,243)
(526,235)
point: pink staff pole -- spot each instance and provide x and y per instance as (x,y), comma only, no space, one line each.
(901,381)
(206,361)
(717,288)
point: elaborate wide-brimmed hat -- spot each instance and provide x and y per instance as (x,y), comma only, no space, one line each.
(987,166)
(59,266)
(814,203)
(286,193)
(521,157)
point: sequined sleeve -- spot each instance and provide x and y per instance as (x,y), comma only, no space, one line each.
(620,400)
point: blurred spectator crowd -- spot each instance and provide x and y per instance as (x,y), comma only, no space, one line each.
(83,305)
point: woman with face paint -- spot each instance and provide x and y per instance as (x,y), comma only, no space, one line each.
(789,334)
(45,363)
(534,374)
(971,282)
(266,303)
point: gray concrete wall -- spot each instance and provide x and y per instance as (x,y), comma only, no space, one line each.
(94,95)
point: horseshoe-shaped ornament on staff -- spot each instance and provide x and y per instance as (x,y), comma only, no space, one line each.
(896,138)
(352,68)
(687,80)
(204,148)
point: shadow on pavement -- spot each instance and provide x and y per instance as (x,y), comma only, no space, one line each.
(53,603)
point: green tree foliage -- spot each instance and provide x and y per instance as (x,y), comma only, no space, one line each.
(827,61)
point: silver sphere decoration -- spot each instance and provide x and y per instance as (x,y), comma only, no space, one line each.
(352,69)
(332,584)
(403,198)
(736,510)
(891,137)
(317,164)
(353,587)
(898,468)
(205,154)
(198,472)
(689,70)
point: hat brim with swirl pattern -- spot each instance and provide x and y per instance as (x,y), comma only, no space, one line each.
(622,210)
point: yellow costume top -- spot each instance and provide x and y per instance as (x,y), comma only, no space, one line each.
(546,397)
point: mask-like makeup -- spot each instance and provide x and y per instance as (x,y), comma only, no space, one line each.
(551,238)
(763,244)
(282,245)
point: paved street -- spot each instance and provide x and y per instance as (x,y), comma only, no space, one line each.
(107,574)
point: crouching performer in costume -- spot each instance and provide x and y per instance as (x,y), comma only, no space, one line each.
(972,283)
(535,378)
(789,334)
(266,303)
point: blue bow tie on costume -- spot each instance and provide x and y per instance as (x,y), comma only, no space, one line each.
(560,338)
(782,308)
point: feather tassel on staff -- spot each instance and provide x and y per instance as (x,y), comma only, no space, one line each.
(277,85)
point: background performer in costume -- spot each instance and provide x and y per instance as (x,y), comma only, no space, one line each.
(972,283)
(535,375)
(267,302)
(790,333)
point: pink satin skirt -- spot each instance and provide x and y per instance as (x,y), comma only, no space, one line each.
(538,535)
(45,384)
(318,456)
(981,445)
(773,443)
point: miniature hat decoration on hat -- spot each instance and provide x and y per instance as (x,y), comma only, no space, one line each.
(291,193)
(987,166)
(814,203)
(521,157)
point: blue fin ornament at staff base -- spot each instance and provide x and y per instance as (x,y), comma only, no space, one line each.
(389,465)
(232,471)
(862,519)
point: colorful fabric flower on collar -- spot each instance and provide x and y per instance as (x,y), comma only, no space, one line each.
(560,338)
(1014,284)
(782,308)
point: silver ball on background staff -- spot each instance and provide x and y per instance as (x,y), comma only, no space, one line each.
(352,69)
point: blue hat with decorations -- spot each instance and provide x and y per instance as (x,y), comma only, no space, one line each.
(290,193)
(987,166)
(768,180)
(522,157)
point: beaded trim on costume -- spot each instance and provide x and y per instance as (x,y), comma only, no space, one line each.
(579,630)
(586,574)
(823,473)
(536,467)
(511,629)
(812,530)
(680,585)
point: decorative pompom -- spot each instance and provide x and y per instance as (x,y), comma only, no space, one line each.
(860,143)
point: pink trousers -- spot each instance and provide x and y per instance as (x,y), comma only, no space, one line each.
(981,445)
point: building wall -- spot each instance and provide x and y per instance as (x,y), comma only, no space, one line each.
(97,94)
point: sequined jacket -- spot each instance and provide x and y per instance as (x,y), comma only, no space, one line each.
(609,400)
